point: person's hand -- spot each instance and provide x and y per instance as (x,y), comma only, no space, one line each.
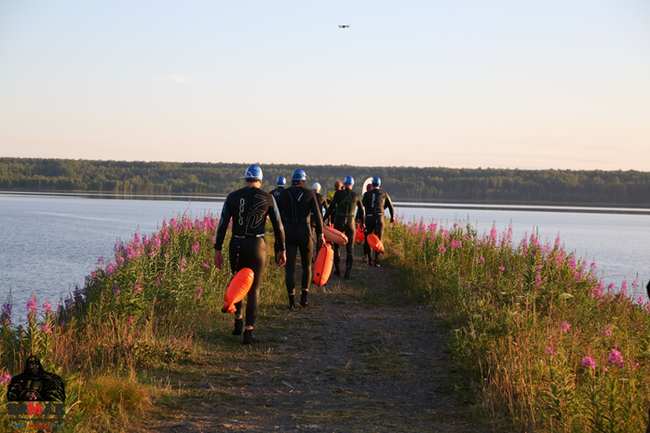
(218,259)
(281,258)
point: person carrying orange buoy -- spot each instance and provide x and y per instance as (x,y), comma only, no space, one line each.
(375,202)
(297,204)
(322,207)
(361,234)
(248,208)
(342,207)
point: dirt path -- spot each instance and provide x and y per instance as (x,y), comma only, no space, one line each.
(353,361)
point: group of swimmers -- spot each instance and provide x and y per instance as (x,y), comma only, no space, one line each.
(296,214)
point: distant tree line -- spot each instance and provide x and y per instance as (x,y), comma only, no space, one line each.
(431,184)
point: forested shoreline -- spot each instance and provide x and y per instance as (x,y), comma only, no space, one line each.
(429,184)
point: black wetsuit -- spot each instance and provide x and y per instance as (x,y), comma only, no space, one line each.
(248,207)
(276,192)
(296,204)
(375,202)
(342,206)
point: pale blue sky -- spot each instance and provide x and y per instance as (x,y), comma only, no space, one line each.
(515,84)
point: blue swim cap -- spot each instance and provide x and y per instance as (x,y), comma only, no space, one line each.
(253,172)
(299,175)
(282,181)
(376,181)
(349,180)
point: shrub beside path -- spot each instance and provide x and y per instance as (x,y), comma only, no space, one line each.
(360,358)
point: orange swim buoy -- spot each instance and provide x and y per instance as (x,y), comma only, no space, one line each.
(237,289)
(376,243)
(323,266)
(359,236)
(333,235)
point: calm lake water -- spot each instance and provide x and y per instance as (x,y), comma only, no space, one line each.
(49,244)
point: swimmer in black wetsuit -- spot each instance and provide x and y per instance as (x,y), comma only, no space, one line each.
(342,207)
(248,207)
(375,202)
(322,208)
(296,205)
(281,182)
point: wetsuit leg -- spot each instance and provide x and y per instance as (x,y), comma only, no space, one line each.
(234,253)
(339,224)
(370,228)
(306,251)
(350,231)
(379,231)
(250,253)
(290,267)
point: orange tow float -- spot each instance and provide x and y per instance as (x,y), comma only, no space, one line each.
(359,237)
(323,266)
(237,289)
(333,235)
(376,243)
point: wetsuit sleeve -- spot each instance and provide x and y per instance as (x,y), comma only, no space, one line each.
(316,212)
(224,220)
(389,204)
(278,228)
(361,213)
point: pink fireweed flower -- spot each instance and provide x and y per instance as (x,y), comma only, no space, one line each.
(565,326)
(615,358)
(550,351)
(137,288)
(32,306)
(588,362)
(110,268)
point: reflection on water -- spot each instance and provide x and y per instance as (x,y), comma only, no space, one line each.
(50,243)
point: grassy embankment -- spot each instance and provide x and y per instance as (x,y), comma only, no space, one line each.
(542,345)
